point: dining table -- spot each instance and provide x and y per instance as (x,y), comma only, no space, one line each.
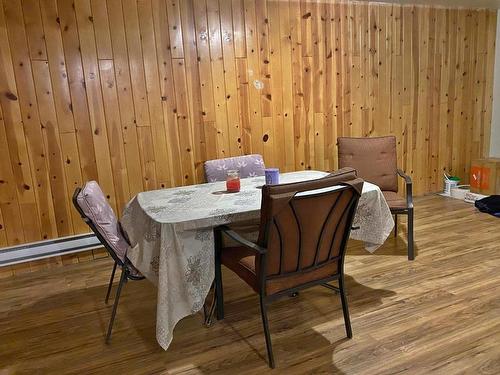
(171,234)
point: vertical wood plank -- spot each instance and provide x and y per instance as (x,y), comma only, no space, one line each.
(34,29)
(31,123)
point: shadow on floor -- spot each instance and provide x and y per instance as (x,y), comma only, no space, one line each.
(64,331)
(392,246)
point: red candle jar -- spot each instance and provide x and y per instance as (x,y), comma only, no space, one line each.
(233,181)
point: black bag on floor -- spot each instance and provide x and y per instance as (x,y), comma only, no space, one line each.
(490,205)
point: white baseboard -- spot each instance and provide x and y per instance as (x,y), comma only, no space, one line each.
(49,248)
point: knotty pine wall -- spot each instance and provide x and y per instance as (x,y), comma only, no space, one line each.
(138,93)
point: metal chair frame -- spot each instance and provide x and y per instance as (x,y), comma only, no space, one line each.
(265,300)
(408,210)
(125,265)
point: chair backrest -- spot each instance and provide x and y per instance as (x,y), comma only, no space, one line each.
(305,226)
(374,159)
(95,210)
(248,165)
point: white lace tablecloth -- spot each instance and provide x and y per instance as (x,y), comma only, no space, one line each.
(171,232)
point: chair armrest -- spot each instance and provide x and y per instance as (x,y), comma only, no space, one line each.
(243,241)
(405,176)
(409,188)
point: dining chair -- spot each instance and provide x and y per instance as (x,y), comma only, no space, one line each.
(248,165)
(375,160)
(304,229)
(95,210)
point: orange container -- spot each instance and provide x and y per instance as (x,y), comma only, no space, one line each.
(485,176)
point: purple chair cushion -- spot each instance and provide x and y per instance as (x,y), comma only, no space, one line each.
(248,165)
(96,207)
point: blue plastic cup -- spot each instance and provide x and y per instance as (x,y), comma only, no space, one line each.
(272,176)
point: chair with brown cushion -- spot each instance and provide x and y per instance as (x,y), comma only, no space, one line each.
(302,240)
(375,161)
(95,210)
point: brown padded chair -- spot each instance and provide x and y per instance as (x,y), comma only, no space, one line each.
(302,242)
(375,161)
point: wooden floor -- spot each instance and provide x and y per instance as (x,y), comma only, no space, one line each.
(439,314)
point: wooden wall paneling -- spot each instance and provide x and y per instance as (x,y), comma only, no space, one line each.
(182,112)
(265,62)
(175,28)
(148,161)
(205,77)
(230,77)
(330,101)
(34,29)
(488,95)
(435,81)
(142,92)
(4,271)
(243,100)
(451,94)
(109,178)
(458,88)
(114,132)
(57,65)
(306,10)
(424,114)
(254,79)
(396,76)
(318,39)
(136,62)
(3,235)
(137,167)
(137,75)
(219,89)
(307,120)
(407,89)
(384,67)
(238,20)
(78,105)
(50,138)
(442,45)
(163,166)
(298,96)
(31,124)
(101,29)
(61,99)
(346,75)
(276,81)
(11,217)
(285,91)
(364,41)
(16,195)
(306,117)
(357,94)
(479,63)
(469,46)
(195,106)
(338,70)
(167,89)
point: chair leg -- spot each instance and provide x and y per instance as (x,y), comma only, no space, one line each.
(265,323)
(395,225)
(411,248)
(345,308)
(123,280)
(110,284)
(219,292)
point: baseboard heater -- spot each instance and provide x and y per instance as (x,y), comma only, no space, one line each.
(49,248)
